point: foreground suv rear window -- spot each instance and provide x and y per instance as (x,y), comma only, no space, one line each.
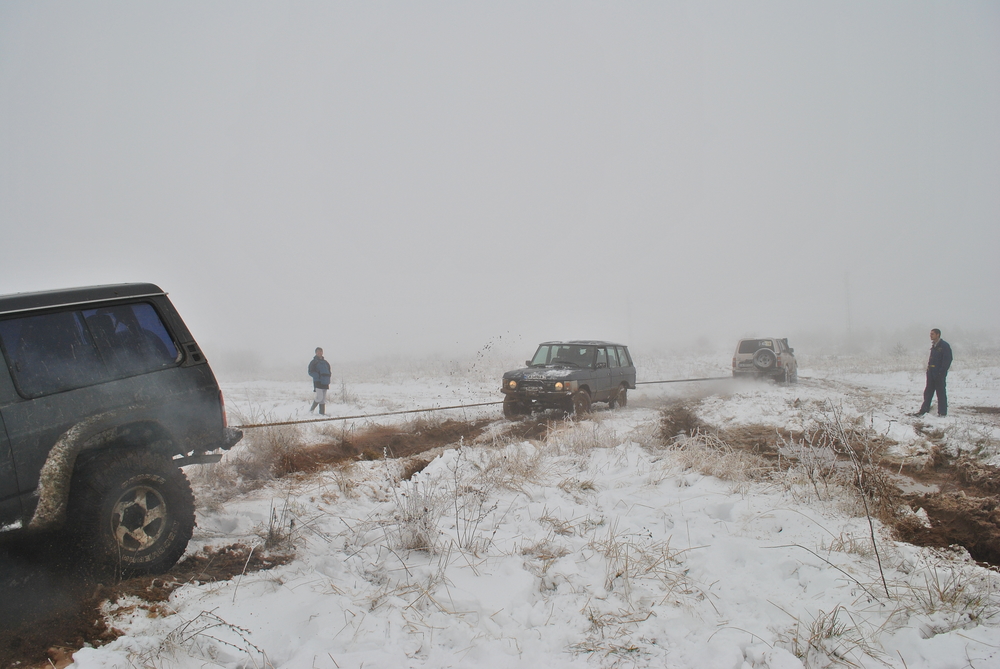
(754,345)
(50,353)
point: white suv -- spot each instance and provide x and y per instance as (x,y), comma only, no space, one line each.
(766,357)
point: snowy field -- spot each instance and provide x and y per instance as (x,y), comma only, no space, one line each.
(600,546)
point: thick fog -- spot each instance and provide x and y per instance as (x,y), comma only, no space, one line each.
(436,178)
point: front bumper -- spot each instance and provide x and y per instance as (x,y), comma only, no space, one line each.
(532,396)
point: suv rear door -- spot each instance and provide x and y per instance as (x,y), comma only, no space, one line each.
(616,368)
(627,367)
(602,376)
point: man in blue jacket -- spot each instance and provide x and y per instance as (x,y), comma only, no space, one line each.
(937,370)
(319,370)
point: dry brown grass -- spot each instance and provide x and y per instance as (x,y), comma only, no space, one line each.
(259,458)
(835,638)
(634,560)
(543,555)
(710,455)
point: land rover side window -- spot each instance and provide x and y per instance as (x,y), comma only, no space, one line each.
(623,356)
(50,353)
(131,338)
(612,357)
(602,358)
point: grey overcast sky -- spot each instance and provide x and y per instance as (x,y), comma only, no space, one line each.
(428,177)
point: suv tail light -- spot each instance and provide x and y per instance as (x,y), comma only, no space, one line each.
(222,405)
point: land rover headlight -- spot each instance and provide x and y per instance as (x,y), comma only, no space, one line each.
(512,384)
(560,385)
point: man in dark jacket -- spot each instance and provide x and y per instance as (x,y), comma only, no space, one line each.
(319,370)
(937,370)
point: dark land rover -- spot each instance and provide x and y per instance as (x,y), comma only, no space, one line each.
(104,396)
(569,376)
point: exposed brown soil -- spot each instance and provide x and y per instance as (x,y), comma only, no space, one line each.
(377,442)
(964,511)
(956,519)
(530,427)
(535,427)
(975,476)
(402,441)
(680,419)
(67,615)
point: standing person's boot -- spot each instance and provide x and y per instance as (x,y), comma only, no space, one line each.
(313,407)
(322,409)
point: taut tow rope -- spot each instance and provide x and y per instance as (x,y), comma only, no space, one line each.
(456,406)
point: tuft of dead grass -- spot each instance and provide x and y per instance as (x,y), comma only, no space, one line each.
(954,593)
(848,543)
(418,509)
(262,456)
(834,638)
(542,555)
(710,455)
(631,558)
(205,637)
(516,467)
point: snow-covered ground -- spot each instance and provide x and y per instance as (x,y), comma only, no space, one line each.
(600,546)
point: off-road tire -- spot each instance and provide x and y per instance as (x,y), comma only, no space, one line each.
(581,403)
(794,376)
(513,409)
(131,511)
(619,399)
(764,359)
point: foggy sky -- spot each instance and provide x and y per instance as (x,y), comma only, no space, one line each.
(421,178)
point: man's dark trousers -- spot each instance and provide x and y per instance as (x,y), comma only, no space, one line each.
(935,384)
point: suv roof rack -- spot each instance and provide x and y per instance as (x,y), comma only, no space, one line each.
(18,302)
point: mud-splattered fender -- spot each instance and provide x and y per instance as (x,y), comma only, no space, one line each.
(57,472)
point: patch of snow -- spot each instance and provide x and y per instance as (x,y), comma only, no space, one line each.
(593,548)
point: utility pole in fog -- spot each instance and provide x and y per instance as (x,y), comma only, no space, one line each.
(847,295)
(628,316)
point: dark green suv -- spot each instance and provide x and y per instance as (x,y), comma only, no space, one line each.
(569,376)
(104,396)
